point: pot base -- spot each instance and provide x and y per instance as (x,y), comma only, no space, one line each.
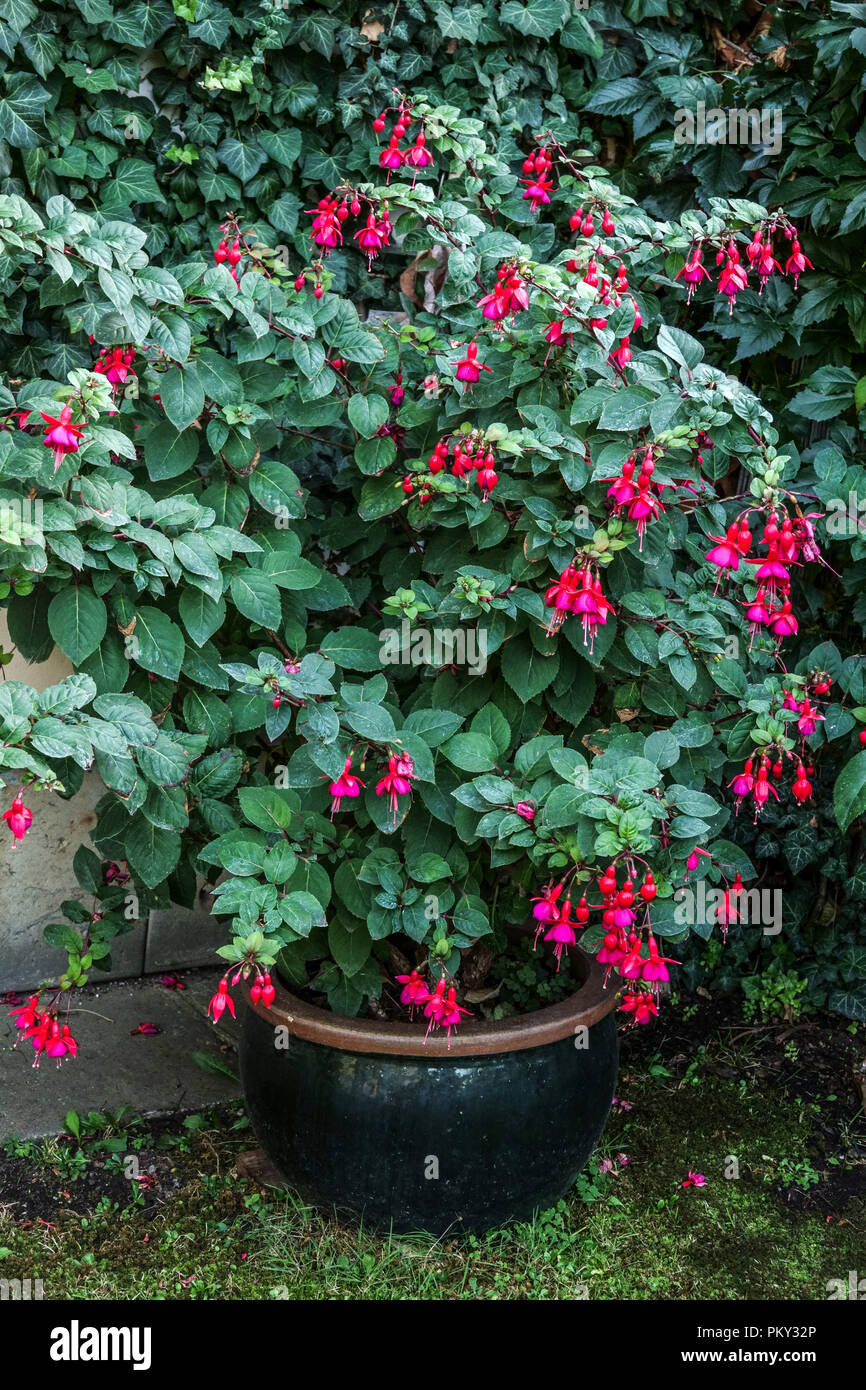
(415,1143)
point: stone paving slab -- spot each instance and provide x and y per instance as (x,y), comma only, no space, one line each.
(155,1075)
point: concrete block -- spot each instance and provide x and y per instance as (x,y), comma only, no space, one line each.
(153,1074)
(36,876)
(178,937)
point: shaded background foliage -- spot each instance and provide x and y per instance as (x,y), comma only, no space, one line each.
(169,114)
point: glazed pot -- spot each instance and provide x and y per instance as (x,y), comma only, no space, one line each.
(411,1135)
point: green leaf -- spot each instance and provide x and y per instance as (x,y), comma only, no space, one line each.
(182,396)
(367,413)
(152,851)
(353,648)
(266,808)
(158,644)
(168,452)
(471,752)
(350,949)
(257,597)
(849,793)
(77,620)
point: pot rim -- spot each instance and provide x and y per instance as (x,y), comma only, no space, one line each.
(588,1005)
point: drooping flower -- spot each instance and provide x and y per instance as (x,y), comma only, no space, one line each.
(396,782)
(344,785)
(418,156)
(26,1014)
(561,932)
(809,719)
(693,271)
(450,1016)
(641,1006)
(742,784)
(732,280)
(656,968)
(761,791)
(19,818)
(797,262)
(373,236)
(414,992)
(61,436)
(468,368)
(221,1001)
(538,190)
(802,788)
(726,553)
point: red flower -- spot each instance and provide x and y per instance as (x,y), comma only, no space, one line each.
(61,436)
(19,818)
(468,369)
(221,1001)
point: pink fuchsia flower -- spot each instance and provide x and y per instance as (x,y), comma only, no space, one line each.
(327,231)
(758,614)
(555,333)
(725,554)
(538,190)
(468,368)
(61,436)
(152,1030)
(392,156)
(414,992)
(766,265)
(345,785)
(644,507)
(114,364)
(621,1104)
(220,1001)
(622,356)
(641,1007)
(546,908)
(694,1180)
(692,272)
(526,810)
(26,1014)
(19,818)
(797,262)
(742,784)
(694,858)
(606,1165)
(783,621)
(561,933)
(373,236)
(59,1042)
(396,782)
(761,791)
(623,1160)
(171,981)
(418,156)
(442,1008)
(732,280)
(802,788)
(809,719)
(656,968)
(450,1016)
(396,393)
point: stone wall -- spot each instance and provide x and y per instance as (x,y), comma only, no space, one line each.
(36,876)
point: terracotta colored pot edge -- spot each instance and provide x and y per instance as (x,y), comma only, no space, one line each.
(588,1005)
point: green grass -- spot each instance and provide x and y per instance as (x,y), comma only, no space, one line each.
(634,1234)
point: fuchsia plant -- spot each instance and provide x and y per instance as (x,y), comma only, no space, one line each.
(530,458)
